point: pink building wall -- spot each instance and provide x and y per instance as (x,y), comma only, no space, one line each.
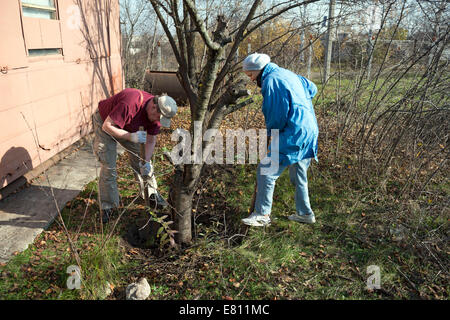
(46,102)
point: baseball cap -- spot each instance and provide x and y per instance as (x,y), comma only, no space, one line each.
(168,108)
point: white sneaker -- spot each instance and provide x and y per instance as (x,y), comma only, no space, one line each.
(256,220)
(304,218)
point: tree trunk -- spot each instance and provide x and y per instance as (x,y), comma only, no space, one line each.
(182,193)
(183,221)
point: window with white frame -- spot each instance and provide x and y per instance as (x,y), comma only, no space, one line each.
(44,9)
(41,27)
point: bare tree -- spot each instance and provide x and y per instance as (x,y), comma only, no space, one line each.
(397,119)
(216,89)
(138,42)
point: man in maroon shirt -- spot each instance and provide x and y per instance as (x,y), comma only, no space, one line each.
(118,119)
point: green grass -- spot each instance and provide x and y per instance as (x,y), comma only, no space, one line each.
(371,91)
(287,260)
(38,273)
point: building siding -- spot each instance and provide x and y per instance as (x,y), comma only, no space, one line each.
(46,102)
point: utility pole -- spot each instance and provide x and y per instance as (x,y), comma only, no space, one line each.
(370,43)
(310,54)
(437,32)
(302,35)
(302,41)
(159,57)
(329,44)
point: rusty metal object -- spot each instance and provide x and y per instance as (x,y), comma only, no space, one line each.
(158,82)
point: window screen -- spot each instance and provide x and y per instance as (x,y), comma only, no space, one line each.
(43,52)
(44,9)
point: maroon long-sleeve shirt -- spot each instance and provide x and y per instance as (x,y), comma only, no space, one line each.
(127,110)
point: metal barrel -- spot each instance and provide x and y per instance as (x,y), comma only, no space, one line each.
(158,82)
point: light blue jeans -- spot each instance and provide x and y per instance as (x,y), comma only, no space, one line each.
(266,185)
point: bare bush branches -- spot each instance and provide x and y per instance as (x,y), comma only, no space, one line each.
(397,119)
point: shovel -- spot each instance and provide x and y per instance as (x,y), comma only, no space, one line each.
(145,178)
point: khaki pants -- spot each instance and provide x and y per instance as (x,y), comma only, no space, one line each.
(105,149)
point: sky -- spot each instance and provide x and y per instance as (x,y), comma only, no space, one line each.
(316,12)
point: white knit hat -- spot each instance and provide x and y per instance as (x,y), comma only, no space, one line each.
(168,108)
(255,61)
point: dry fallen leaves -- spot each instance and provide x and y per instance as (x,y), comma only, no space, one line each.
(133,251)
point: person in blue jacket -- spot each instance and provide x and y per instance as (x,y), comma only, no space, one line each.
(292,127)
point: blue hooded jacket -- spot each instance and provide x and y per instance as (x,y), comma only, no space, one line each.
(287,106)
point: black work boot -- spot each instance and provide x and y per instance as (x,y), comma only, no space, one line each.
(156,200)
(108,214)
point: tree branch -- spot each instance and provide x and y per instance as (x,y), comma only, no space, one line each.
(201,26)
(211,70)
(182,73)
(238,106)
(156,5)
(276,14)
(237,41)
(190,39)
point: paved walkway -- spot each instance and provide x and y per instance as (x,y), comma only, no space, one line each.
(25,214)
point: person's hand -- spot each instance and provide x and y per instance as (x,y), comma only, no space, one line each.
(145,168)
(138,137)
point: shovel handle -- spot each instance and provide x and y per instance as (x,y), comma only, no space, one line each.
(141,128)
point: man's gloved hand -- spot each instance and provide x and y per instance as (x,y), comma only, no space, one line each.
(138,137)
(145,168)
